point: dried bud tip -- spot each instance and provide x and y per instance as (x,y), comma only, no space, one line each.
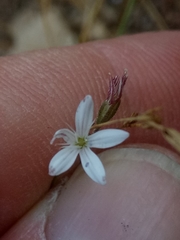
(116,85)
(124,77)
(112,103)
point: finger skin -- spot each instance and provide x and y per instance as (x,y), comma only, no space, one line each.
(40,91)
(139,202)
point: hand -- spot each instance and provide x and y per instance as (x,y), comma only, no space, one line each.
(40,92)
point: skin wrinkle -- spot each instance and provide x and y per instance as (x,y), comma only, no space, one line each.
(148,40)
(156,72)
(147,49)
(19,67)
(63,119)
(87,79)
(170,95)
(154,86)
(23,96)
(11,95)
(74,89)
(161,56)
(133,42)
(169,52)
(87,82)
(68,95)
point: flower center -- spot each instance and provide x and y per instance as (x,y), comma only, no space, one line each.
(81,142)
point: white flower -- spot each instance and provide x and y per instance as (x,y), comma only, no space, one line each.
(80,142)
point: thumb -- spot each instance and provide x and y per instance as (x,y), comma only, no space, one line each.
(139,201)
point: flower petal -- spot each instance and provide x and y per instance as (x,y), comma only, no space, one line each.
(63,160)
(84,116)
(66,134)
(92,166)
(107,138)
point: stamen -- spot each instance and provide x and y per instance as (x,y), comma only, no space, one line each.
(81,142)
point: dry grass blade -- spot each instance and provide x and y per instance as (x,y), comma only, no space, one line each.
(80,4)
(150,115)
(45,5)
(154,14)
(151,120)
(90,13)
(173,137)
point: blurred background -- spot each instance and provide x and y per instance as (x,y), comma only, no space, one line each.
(36,24)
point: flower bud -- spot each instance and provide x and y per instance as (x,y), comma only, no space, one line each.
(112,103)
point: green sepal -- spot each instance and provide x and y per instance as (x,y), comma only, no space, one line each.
(107,111)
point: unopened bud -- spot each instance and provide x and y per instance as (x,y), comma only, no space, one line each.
(112,103)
